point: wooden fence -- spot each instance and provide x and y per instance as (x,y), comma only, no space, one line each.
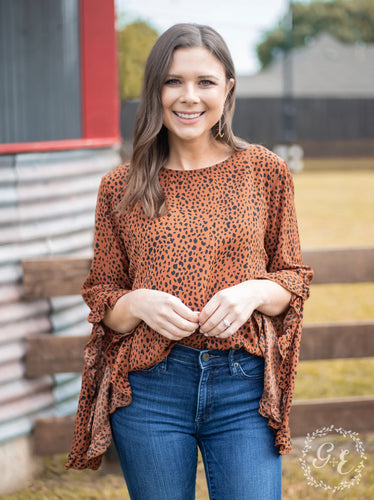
(335,127)
(47,354)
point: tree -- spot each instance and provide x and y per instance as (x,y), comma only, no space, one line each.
(134,44)
(349,21)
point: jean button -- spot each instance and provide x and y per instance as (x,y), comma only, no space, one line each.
(205,356)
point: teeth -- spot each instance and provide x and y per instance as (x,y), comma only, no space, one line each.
(188,116)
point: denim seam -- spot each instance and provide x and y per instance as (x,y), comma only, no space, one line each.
(208,474)
(241,373)
(202,387)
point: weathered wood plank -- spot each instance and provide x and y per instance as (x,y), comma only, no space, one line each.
(356,414)
(48,354)
(55,277)
(341,265)
(337,340)
(54,435)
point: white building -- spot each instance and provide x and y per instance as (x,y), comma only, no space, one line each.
(325,68)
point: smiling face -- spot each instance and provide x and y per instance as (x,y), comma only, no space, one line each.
(193,94)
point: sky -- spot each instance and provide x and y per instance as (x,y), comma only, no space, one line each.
(241,23)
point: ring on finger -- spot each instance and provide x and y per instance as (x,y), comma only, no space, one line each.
(226,322)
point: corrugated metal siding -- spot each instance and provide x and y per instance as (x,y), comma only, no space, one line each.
(47,203)
(39,70)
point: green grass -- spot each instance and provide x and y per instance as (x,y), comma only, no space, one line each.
(344,302)
(335,208)
(338,164)
(107,484)
(336,378)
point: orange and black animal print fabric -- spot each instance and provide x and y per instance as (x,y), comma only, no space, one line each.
(226,223)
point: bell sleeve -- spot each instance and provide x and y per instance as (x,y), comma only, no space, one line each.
(106,282)
(108,278)
(280,336)
(282,242)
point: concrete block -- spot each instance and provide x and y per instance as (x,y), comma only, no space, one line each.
(17,465)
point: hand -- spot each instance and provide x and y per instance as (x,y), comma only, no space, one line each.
(165,313)
(235,305)
(232,305)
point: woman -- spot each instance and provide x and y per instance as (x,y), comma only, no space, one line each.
(196,292)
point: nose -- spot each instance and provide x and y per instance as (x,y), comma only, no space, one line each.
(190,94)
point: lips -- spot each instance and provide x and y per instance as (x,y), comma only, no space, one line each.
(188,116)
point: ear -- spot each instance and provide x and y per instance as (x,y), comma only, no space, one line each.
(230,85)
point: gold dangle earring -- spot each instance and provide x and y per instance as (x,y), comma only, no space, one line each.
(220,134)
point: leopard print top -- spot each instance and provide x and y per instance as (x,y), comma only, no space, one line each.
(226,223)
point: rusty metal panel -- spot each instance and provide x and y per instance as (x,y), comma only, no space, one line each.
(62,245)
(10,293)
(26,328)
(63,164)
(70,316)
(11,215)
(22,388)
(26,406)
(46,190)
(40,95)
(10,273)
(67,390)
(12,351)
(47,203)
(11,313)
(14,370)
(13,428)
(49,228)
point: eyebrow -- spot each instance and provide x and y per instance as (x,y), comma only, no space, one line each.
(200,76)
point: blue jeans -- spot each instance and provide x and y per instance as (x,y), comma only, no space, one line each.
(207,399)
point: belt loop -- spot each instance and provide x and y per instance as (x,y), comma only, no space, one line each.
(231,361)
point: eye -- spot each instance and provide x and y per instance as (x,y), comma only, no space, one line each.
(206,83)
(172,81)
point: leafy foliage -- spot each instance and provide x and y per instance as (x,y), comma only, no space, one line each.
(350,21)
(134,44)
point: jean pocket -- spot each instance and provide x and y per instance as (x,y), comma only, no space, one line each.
(158,367)
(251,367)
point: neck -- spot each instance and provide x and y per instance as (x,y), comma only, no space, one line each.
(192,155)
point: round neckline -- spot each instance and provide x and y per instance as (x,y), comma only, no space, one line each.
(202,169)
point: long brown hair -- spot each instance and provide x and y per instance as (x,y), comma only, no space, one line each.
(150,142)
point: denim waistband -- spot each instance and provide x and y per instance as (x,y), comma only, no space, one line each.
(207,357)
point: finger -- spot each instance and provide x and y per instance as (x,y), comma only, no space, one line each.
(214,325)
(174,324)
(208,310)
(185,312)
(229,331)
(173,333)
(224,325)
(168,335)
(184,326)
(173,314)
(175,327)
(211,321)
